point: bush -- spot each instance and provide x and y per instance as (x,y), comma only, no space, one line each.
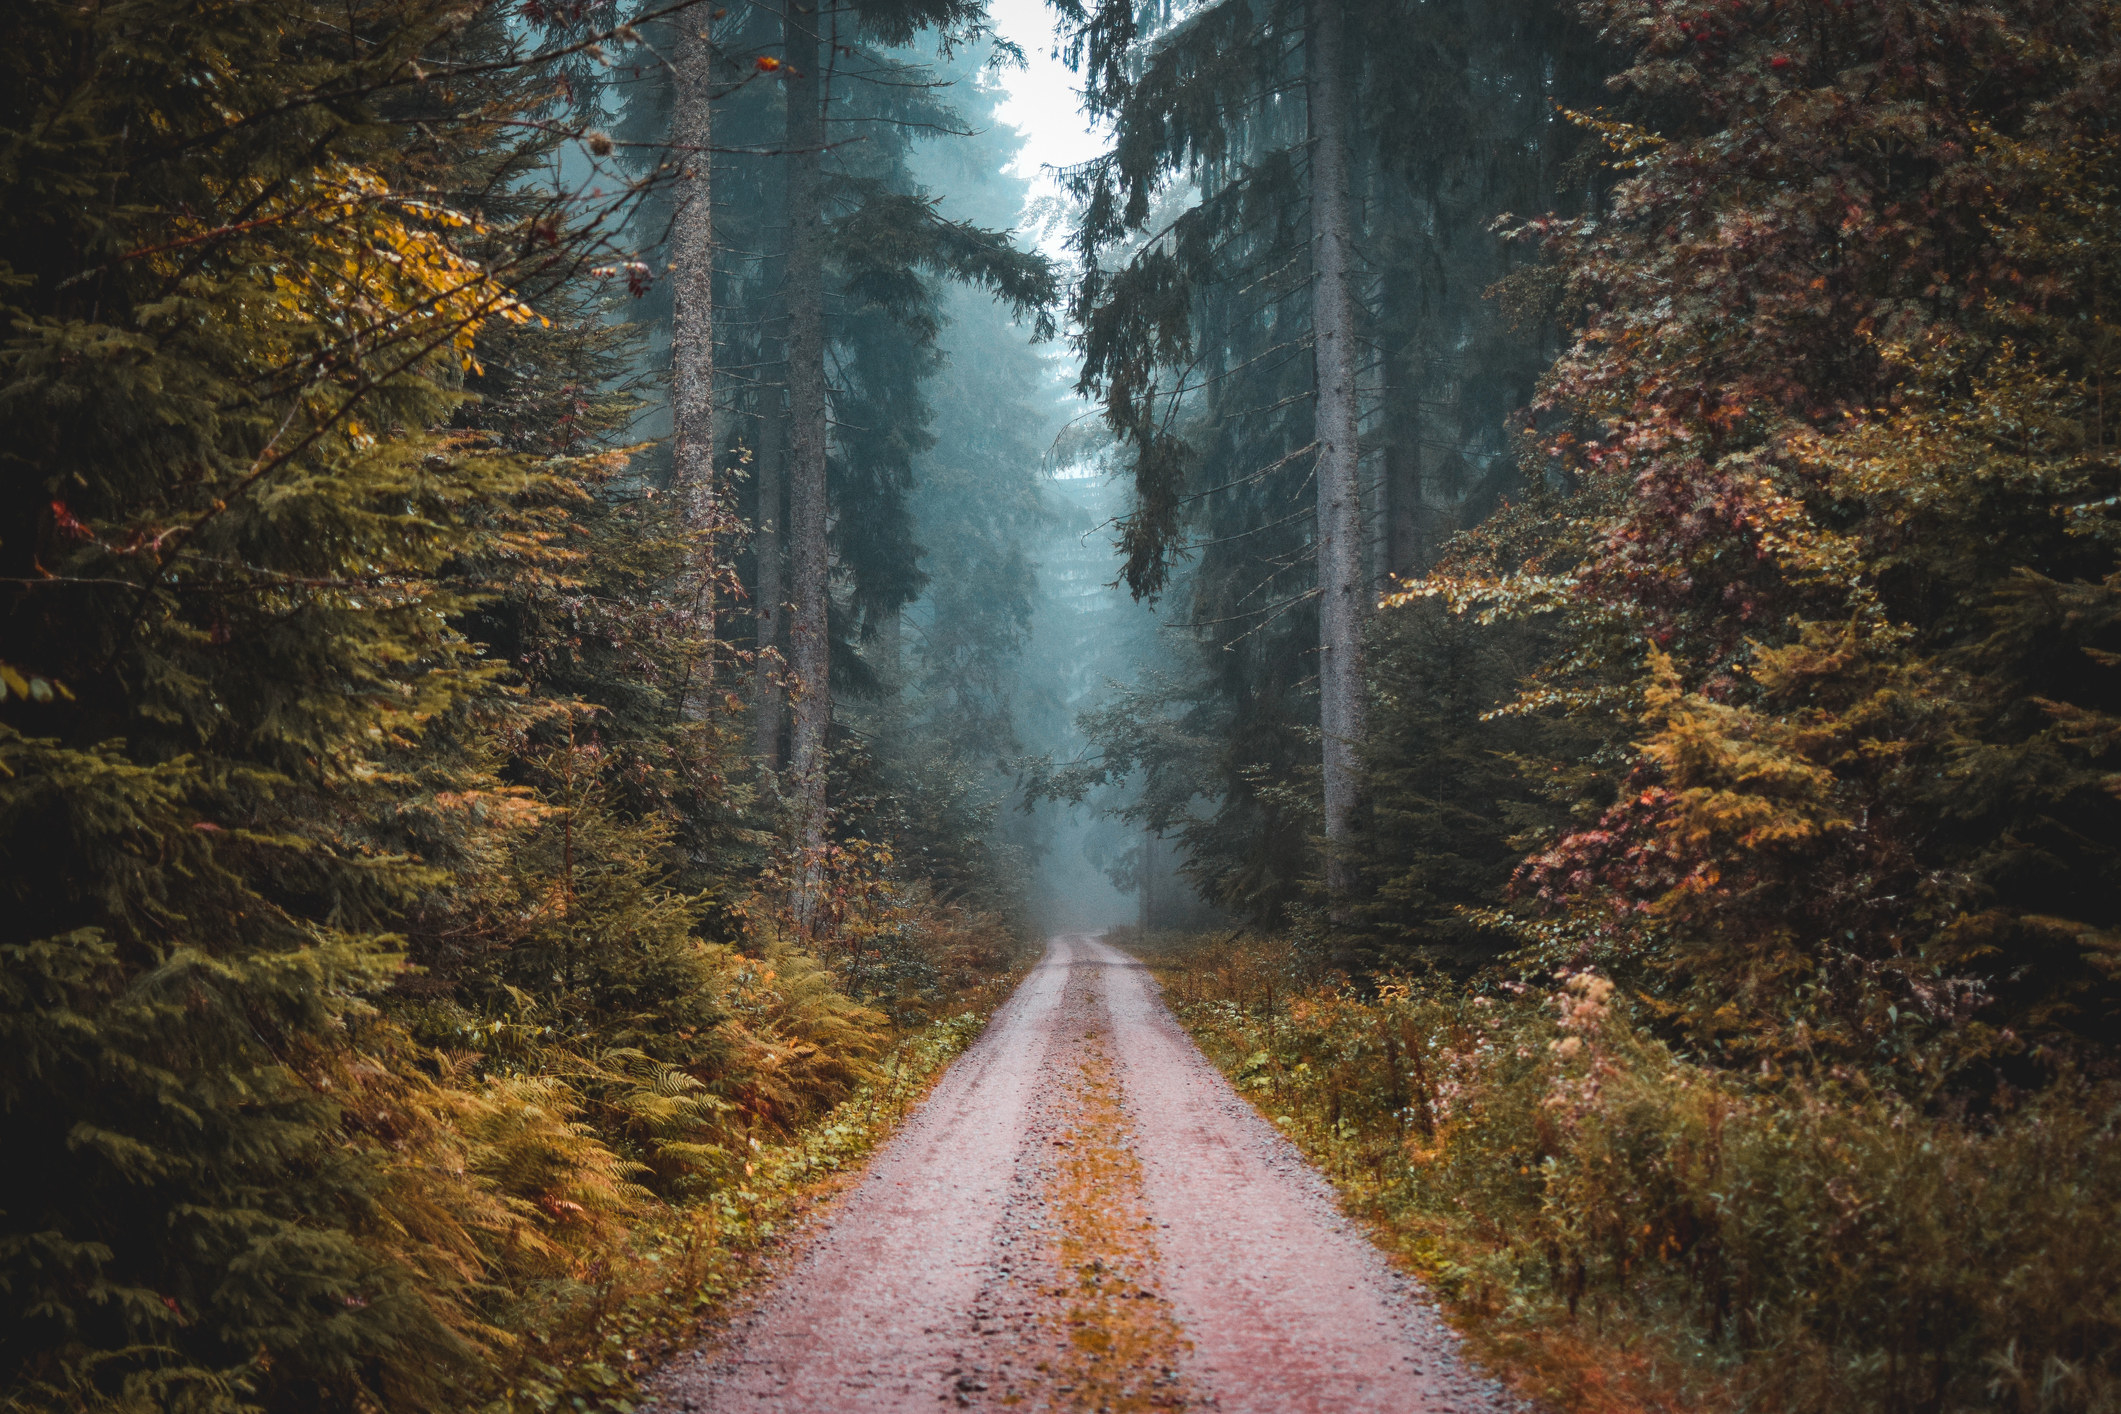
(1756,1241)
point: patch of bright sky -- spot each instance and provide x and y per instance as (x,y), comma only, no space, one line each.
(1046,111)
(1042,103)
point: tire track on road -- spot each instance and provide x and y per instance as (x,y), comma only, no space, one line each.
(1085,1216)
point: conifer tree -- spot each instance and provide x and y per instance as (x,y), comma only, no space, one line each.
(956,680)
(1212,302)
(1828,464)
(840,331)
(340,631)
(238,318)
(1343,588)
(804,57)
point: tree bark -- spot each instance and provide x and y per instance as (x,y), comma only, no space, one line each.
(809,564)
(1342,594)
(692,339)
(1406,553)
(1147,891)
(770,465)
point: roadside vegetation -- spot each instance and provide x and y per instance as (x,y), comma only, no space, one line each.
(520,528)
(1620,1227)
(585,1334)
(413,995)
(1714,987)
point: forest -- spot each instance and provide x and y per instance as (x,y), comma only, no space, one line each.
(583,583)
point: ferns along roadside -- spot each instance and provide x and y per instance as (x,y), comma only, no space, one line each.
(380,951)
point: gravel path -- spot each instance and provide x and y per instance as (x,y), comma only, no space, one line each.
(1084,1216)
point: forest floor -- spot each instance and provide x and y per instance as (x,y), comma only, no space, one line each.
(1084,1216)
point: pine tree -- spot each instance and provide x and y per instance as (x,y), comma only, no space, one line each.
(809,563)
(1212,239)
(227,531)
(692,391)
(342,635)
(1832,540)
(848,290)
(1456,798)
(1343,589)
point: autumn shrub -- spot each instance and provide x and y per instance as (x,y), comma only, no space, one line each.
(826,1033)
(1821,541)
(891,940)
(1809,1243)
(584,1334)
(396,1006)
(569,1211)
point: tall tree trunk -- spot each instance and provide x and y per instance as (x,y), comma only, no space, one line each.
(1405,552)
(692,337)
(1147,890)
(1342,594)
(769,464)
(809,566)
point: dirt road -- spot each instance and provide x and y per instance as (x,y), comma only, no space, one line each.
(1084,1216)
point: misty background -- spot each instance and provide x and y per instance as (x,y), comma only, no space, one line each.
(1020,627)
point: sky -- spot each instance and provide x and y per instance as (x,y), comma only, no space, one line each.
(1042,103)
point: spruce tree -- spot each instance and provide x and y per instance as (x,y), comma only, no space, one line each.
(837,339)
(692,390)
(309,417)
(1344,591)
(232,330)
(1211,306)
(1831,576)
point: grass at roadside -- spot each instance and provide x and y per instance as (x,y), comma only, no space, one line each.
(1120,1346)
(1615,1228)
(600,1333)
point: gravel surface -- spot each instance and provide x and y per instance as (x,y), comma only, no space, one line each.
(1084,1216)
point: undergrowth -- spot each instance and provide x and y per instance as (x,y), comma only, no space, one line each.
(1618,1228)
(590,1337)
(658,1184)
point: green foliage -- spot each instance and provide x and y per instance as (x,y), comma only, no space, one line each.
(895,250)
(381,960)
(1826,537)
(923,768)
(1455,799)
(593,1332)
(229,540)
(1192,307)
(1623,1228)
